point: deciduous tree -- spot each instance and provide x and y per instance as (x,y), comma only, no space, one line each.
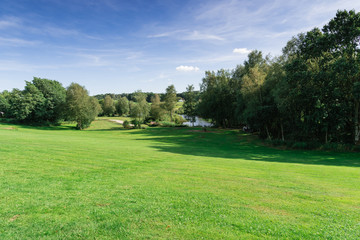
(190,104)
(108,106)
(80,107)
(122,106)
(156,111)
(170,100)
(140,108)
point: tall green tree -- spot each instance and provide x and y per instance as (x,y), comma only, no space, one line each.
(218,95)
(41,102)
(122,106)
(20,105)
(38,114)
(170,100)
(140,108)
(190,104)
(342,40)
(156,111)
(259,107)
(108,106)
(80,107)
(320,78)
(54,94)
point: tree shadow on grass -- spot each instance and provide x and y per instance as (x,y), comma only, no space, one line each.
(107,129)
(232,144)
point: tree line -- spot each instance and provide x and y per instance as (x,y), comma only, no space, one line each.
(140,109)
(47,102)
(131,96)
(309,93)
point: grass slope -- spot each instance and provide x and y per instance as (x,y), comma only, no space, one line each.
(168,183)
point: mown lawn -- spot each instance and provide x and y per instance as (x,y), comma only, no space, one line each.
(170,183)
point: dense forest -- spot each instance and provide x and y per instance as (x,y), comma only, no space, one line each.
(309,93)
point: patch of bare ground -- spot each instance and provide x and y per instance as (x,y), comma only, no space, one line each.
(14,218)
(117,121)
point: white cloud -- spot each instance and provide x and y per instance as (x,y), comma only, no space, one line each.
(187,35)
(9,22)
(187,69)
(241,50)
(17,42)
(165,34)
(195,35)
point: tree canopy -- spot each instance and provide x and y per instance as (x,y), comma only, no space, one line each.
(80,107)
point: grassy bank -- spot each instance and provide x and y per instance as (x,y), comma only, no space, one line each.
(170,183)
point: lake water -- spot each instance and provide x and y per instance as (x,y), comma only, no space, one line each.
(198,122)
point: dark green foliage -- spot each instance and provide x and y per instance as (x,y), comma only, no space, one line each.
(54,94)
(190,104)
(321,82)
(38,112)
(41,102)
(136,123)
(259,110)
(309,94)
(218,98)
(21,105)
(4,105)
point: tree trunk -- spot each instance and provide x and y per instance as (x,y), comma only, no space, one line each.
(357,127)
(282,132)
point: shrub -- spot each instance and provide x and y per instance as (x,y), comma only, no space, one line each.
(311,145)
(136,123)
(356,148)
(179,119)
(277,142)
(339,147)
(126,124)
(167,124)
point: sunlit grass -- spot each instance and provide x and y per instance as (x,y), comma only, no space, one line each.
(170,183)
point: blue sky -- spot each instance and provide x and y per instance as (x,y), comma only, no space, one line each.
(115,46)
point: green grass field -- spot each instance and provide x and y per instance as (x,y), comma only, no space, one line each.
(170,183)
